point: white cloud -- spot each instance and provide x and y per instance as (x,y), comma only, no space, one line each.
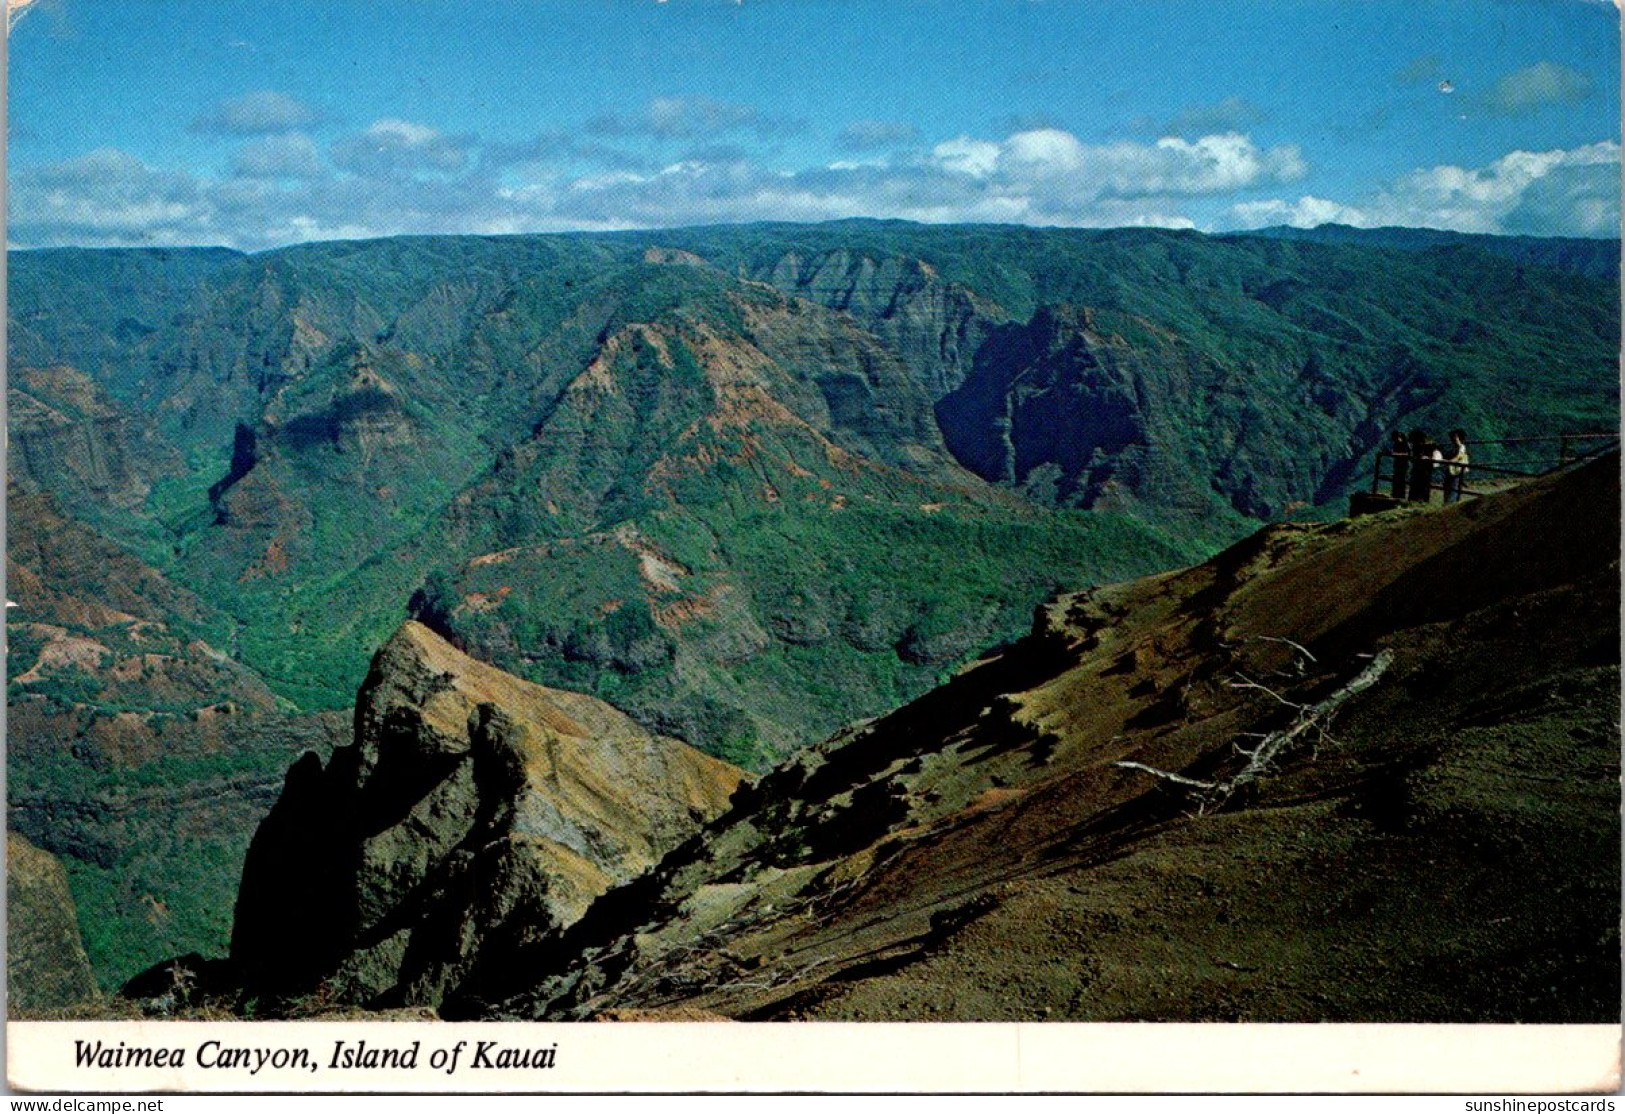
(1534,87)
(1056,165)
(975,157)
(873,135)
(695,191)
(110,197)
(391,146)
(107,197)
(402,176)
(684,117)
(1573,192)
(292,155)
(1045,151)
(1576,199)
(263,112)
(1229,115)
(1306,212)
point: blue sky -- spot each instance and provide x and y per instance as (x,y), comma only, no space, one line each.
(254,124)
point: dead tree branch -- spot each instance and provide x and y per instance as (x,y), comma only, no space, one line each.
(1243,683)
(1284,642)
(1261,759)
(1302,659)
(1311,718)
(1180,779)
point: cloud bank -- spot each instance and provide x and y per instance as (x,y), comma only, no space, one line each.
(681,161)
(1572,192)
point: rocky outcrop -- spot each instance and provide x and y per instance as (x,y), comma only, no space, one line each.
(933,325)
(1059,412)
(318,462)
(768,385)
(1117,413)
(472,809)
(107,656)
(69,438)
(1092,408)
(46,965)
(710,441)
(62,571)
(866,399)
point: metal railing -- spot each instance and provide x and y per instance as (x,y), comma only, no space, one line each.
(1572,448)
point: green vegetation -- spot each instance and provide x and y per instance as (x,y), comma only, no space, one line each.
(730,497)
(798,621)
(171,896)
(153,851)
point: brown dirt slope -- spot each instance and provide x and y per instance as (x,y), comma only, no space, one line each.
(1444,848)
(473,806)
(66,435)
(105,653)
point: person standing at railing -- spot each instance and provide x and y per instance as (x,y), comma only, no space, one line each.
(1455,466)
(1402,456)
(1423,454)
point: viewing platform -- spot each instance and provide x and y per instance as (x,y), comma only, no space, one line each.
(1512,461)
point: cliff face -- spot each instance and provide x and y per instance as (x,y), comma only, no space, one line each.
(69,437)
(1080,407)
(473,808)
(346,446)
(412,406)
(46,966)
(1067,416)
(1357,772)
(933,325)
(751,450)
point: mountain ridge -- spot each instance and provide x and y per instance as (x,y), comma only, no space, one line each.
(749,484)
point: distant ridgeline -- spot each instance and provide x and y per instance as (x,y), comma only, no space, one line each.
(747,484)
